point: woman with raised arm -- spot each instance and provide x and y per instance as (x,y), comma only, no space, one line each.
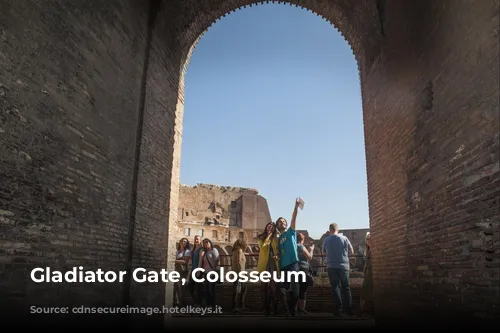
(268,261)
(182,257)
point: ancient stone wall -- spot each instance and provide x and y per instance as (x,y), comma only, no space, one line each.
(433,213)
(212,202)
(219,234)
(255,213)
(90,136)
(221,213)
(71,76)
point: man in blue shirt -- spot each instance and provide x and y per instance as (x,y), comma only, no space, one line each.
(336,249)
(289,261)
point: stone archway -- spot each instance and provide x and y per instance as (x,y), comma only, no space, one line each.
(394,130)
(91,131)
(197,25)
(415,90)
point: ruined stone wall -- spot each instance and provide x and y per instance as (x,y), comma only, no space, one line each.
(222,235)
(230,212)
(255,213)
(196,203)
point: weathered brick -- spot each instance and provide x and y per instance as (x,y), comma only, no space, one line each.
(81,80)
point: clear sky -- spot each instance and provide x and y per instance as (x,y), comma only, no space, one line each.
(273,102)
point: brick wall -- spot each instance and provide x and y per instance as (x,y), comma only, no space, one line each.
(432,158)
(76,184)
(158,171)
(70,85)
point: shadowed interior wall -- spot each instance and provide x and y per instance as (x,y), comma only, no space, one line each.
(70,85)
(77,86)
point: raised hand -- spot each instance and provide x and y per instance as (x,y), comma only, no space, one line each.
(297,202)
(294,215)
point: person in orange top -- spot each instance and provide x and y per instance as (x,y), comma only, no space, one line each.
(268,261)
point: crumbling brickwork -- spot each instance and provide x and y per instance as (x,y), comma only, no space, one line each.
(212,202)
(220,213)
(91,97)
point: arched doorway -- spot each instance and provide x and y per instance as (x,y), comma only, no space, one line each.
(92,128)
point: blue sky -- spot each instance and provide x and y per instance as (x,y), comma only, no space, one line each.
(273,102)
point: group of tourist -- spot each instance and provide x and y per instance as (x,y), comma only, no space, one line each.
(202,255)
(282,250)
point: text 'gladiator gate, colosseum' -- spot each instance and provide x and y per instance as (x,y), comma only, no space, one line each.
(91,96)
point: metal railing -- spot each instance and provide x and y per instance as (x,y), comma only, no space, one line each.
(319,263)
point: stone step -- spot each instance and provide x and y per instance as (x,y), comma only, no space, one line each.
(311,316)
(319,298)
